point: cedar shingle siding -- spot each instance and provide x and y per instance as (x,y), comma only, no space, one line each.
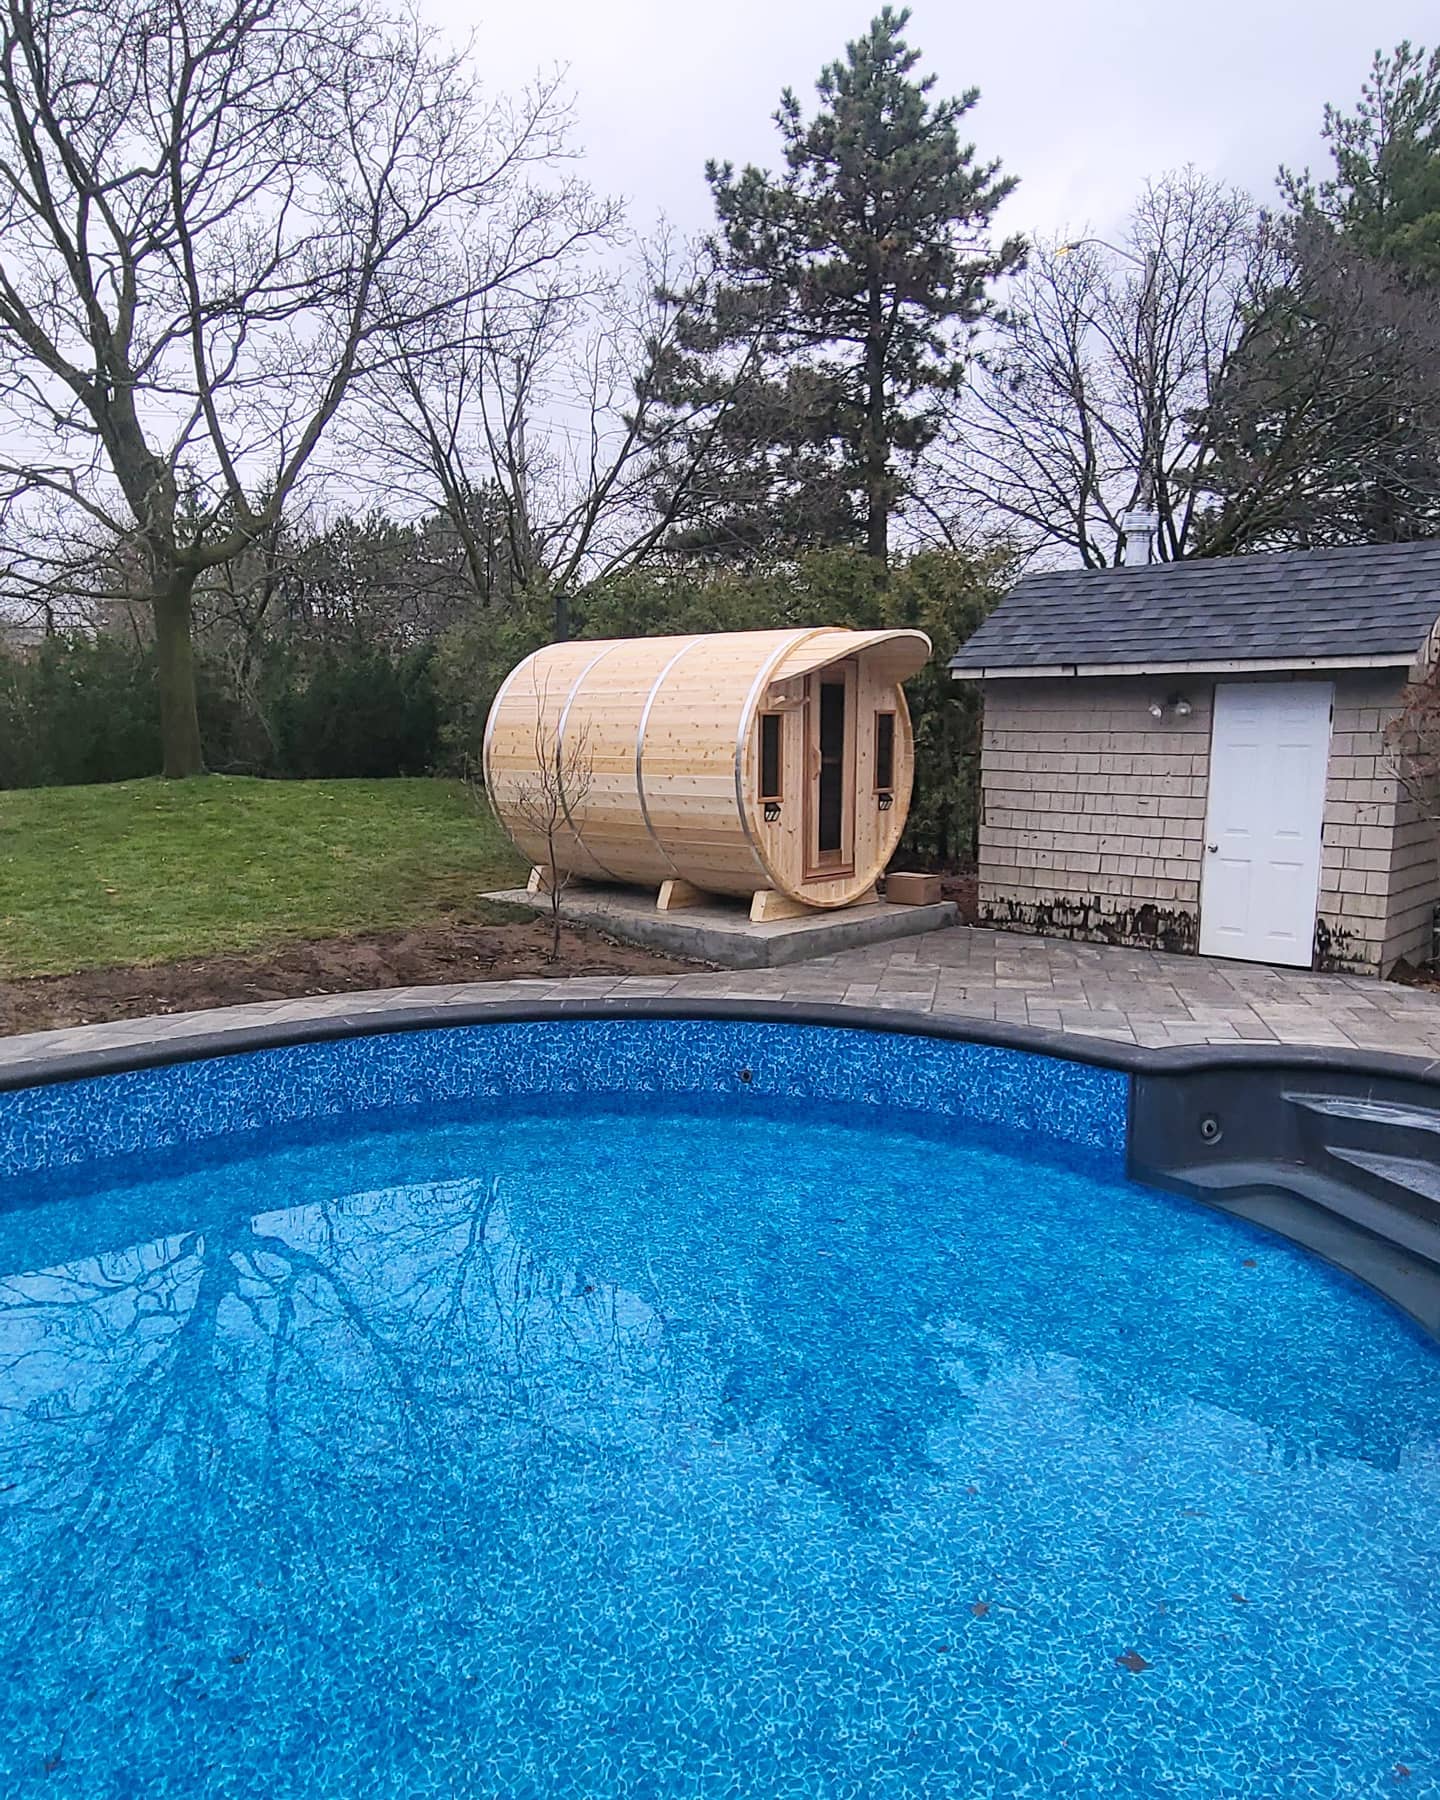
(1378,861)
(1093,821)
(1093,812)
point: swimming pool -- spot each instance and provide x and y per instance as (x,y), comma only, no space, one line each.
(685,1407)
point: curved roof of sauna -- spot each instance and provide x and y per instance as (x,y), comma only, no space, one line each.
(894,655)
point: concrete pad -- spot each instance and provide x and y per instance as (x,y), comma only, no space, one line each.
(721,932)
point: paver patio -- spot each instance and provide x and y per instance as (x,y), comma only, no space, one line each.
(1128,996)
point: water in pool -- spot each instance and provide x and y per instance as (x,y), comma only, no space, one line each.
(698,1451)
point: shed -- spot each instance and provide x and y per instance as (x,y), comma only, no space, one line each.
(771,764)
(1191,756)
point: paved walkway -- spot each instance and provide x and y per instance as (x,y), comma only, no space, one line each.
(1128,996)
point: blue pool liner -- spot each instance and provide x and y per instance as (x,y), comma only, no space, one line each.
(64,1124)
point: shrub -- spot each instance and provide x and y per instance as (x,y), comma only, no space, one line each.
(85,709)
(471,661)
(357,713)
(79,710)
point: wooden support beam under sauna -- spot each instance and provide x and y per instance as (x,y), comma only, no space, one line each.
(773,766)
(675,894)
(767,906)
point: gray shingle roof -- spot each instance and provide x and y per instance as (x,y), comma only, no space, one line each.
(1369,601)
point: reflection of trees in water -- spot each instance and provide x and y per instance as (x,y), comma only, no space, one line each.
(307,1408)
(820,1277)
(835,1370)
(405,1340)
(817,1344)
(346,1401)
(397,1411)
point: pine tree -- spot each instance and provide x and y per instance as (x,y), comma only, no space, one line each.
(1336,401)
(853,282)
(1384,196)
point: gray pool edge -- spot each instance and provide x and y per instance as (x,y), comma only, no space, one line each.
(1256,1170)
(81,1063)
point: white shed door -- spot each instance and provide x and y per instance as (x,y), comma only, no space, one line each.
(1268,754)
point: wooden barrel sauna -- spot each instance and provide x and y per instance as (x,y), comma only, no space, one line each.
(775,764)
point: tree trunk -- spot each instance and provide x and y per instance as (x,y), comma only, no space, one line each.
(179,722)
(877,460)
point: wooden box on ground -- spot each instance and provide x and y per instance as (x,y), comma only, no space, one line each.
(909,887)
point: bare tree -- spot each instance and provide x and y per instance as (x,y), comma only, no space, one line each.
(1092,398)
(53,575)
(1325,428)
(1412,738)
(543,802)
(216,218)
(551,404)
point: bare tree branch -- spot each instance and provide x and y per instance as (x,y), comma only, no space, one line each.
(1087,399)
(215,220)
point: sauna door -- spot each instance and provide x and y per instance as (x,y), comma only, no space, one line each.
(830,755)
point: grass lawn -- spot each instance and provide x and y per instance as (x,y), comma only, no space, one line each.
(146,871)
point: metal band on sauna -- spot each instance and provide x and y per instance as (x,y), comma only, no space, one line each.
(641,729)
(742,730)
(494,716)
(575,687)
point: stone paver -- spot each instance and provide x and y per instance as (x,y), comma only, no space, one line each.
(1126,996)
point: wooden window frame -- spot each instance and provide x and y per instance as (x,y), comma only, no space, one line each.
(886,712)
(778,795)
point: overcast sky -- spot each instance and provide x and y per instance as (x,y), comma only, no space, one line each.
(1082,99)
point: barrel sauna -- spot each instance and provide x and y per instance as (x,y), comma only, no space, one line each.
(773,764)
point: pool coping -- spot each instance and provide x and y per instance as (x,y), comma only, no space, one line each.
(80,1063)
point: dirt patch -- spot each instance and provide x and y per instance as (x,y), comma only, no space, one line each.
(964,890)
(1426,976)
(449,952)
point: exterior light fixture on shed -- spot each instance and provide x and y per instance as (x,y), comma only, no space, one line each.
(1176,704)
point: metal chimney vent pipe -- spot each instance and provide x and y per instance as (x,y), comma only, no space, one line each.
(1139,527)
